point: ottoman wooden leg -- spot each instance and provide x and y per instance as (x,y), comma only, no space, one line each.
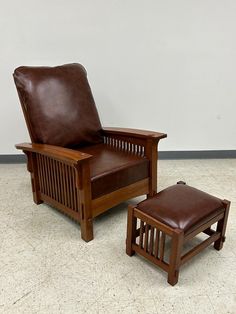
(221,227)
(131,229)
(175,256)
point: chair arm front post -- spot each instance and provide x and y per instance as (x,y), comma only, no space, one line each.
(152,155)
(83,185)
(32,168)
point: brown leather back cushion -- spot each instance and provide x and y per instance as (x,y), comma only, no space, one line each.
(58,105)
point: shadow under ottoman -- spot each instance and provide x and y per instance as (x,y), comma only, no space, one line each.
(180,212)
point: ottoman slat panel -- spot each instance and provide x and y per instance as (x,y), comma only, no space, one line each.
(154,260)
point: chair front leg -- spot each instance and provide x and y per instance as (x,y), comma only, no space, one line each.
(86,225)
(84,196)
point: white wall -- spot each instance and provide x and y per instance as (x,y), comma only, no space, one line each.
(164,65)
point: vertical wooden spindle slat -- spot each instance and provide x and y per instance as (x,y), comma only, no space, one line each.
(55,179)
(146,237)
(156,247)
(49,176)
(71,188)
(43,174)
(76,193)
(52,178)
(61,182)
(46,174)
(150,250)
(162,246)
(39,172)
(66,189)
(141,234)
(74,188)
(64,183)
(68,185)
(58,181)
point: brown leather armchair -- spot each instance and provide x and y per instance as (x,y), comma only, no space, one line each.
(76,165)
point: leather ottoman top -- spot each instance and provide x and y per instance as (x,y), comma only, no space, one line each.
(181,206)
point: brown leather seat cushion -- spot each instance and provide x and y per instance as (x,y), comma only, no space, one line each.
(58,105)
(181,206)
(113,169)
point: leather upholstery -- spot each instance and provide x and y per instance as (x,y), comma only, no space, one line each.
(112,169)
(58,105)
(181,206)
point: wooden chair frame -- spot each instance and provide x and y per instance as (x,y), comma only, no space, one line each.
(148,239)
(61,177)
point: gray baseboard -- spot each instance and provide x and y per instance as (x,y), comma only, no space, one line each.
(198,154)
(12,159)
(195,154)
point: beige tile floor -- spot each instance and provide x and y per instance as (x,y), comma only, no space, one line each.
(45,267)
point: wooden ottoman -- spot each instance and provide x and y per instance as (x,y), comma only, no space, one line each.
(179,212)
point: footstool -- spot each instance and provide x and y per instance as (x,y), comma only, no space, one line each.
(179,212)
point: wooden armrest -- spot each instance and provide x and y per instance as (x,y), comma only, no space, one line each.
(135,133)
(60,153)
